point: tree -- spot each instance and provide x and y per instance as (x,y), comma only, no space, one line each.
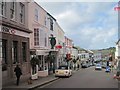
(34,61)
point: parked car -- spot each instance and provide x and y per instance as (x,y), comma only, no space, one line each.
(98,67)
(63,70)
(104,65)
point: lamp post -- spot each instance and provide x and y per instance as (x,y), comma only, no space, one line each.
(53,43)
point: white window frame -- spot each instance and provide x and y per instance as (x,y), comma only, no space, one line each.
(13,8)
(22,12)
(37,42)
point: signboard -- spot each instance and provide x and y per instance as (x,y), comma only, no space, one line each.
(8,30)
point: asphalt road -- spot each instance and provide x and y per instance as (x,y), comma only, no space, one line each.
(85,78)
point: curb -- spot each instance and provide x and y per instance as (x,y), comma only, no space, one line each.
(43,84)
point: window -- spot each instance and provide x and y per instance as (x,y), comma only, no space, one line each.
(22,11)
(12,10)
(36,14)
(2,8)
(36,36)
(24,51)
(4,51)
(14,52)
(45,21)
(51,24)
(45,42)
(41,63)
(0,48)
(4,54)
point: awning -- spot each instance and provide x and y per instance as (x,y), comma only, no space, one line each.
(42,52)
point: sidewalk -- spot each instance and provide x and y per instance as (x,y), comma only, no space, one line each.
(35,83)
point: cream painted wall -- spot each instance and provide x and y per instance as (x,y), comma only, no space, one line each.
(37,24)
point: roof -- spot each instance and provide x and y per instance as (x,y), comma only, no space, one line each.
(51,16)
(118,41)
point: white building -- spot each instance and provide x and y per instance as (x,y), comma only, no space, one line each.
(83,56)
(97,56)
(74,53)
(60,44)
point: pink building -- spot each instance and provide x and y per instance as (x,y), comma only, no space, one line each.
(68,44)
(42,24)
(39,41)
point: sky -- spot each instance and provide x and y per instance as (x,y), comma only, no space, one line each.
(91,25)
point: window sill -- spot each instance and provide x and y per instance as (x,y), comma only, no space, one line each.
(13,20)
(22,23)
(3,16)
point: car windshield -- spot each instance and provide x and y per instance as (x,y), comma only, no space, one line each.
(98,65)
(63,67)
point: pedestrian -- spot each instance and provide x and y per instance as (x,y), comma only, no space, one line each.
(18,73)
(78,66)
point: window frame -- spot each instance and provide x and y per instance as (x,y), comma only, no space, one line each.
(36,37)
(51,24)
(22,12)
(13,10)
(15,52)
(3,8)
(36,15)
(24,51)
(4,54)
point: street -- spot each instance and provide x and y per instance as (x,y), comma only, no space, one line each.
(85,78)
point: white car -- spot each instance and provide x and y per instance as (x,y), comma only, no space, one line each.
(98,67)
(63,70)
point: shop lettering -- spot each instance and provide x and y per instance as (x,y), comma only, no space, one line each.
(8,30)
(5,29)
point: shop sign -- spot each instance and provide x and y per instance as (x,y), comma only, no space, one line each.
(8,30)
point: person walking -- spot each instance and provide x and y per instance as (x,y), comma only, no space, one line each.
(18,73)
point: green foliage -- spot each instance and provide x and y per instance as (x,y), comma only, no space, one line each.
(34,61)
(74,60)
(50,58)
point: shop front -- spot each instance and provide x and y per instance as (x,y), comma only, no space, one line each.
(14,50)
(43,65)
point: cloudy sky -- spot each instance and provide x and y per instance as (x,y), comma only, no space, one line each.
(90,25)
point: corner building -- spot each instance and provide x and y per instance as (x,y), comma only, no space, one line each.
(14,40)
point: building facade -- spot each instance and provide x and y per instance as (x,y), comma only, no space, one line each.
(43,26)
(15,40)
(60,44)
(39,41)
(68,50)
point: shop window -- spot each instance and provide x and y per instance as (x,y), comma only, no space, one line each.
(41,63)
(4,54)
(24,51)
(15,52)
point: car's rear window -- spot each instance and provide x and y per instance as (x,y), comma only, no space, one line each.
(63,67)
(98,65)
